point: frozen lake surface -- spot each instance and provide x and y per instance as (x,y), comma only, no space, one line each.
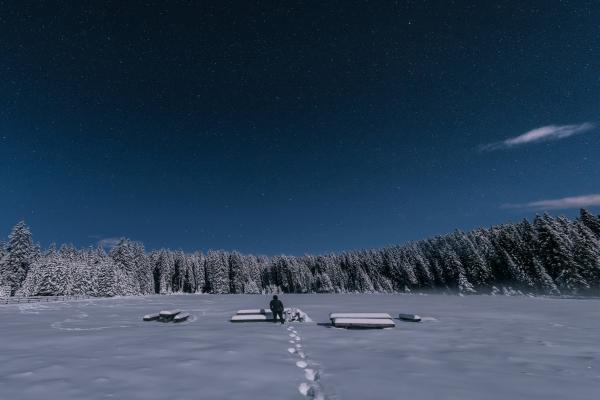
(477,347)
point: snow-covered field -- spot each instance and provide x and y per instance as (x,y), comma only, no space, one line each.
(477,347)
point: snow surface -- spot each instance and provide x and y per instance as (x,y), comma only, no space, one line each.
(472,347)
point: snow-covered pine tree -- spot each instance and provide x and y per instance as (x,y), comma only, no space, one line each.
(482,240)
(511,263)
(106,271)
(359,281)
(163,270)
(330,265)
(587,254)
(464,286)
(251,287)
(4,286)
(278,273)
(20,254)
(323,284)
(83,278)
(252,275)
(543,280)
(429,250)
(291,275)
(130,258)
(399,268)
(556,252)
(67,252)
(422,268)
(475,266)
(374,266)
(237,273)
(90,259)
(196,262)
(54,276)
(553,247)
(590,221)
(217,272)
(180,270)
(518,276)
(454,271)
(143,269)
(302,276)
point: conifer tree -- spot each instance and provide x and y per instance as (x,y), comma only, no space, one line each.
(587,253)
(237,275)
(590,221)
(199,275)
(20,254)
(217,272)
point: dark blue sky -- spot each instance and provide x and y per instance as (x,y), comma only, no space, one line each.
(293,127)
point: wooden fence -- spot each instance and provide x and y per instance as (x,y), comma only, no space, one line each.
(38,299)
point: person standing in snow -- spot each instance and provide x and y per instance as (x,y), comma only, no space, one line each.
(277,309)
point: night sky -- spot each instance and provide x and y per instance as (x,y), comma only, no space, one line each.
(294,127)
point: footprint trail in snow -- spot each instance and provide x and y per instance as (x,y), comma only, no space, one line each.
(311,389)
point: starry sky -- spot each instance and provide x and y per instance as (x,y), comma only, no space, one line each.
(294,126)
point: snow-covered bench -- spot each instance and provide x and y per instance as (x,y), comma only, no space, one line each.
(409,317)
(151,317)
(362,320)
(363,323)
(181,317)
(252,318)
(255,311)
(333,316)
(264,314)
(167,316)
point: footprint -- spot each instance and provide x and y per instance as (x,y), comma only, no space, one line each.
(301,364)
(298,338)
(292,350)
(304,388)
(310,391)
(311,375)
(291,341)
(301,354)
(293,335)
(298,346)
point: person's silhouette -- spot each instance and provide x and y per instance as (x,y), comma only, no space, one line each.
(277,309)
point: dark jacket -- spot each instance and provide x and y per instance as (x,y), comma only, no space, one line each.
(276,305)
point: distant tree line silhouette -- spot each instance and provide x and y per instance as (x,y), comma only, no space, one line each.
(546,256)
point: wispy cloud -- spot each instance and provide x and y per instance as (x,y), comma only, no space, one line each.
(109,243)
(590,200)
(542,134)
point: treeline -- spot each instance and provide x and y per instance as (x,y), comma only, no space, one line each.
(548,256)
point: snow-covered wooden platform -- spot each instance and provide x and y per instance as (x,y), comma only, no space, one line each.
(255,311)
(251,318)
(167,316)
(181,317)
(409,317)
(363,323)
(333,316)
(151,317)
